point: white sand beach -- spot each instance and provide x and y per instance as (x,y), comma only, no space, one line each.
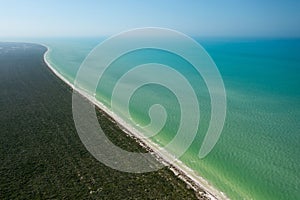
(192,178)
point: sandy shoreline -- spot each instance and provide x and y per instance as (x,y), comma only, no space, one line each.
(199,184)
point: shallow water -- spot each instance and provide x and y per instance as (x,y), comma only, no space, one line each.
(257,154)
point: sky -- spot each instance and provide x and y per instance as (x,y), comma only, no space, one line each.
(72,18)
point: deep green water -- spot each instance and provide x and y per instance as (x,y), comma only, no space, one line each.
(257,156)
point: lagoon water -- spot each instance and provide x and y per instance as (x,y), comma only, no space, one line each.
(257,155)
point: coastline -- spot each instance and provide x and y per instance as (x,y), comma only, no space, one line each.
(202,188)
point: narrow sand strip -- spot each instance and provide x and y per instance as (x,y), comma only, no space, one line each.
(179,169)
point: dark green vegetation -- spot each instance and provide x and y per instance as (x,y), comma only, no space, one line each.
(41,155)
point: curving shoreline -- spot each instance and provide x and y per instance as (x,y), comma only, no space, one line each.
(199,184)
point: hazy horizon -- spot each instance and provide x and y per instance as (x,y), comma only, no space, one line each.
(254,19)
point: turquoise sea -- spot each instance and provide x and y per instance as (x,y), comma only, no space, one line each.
(257,155)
